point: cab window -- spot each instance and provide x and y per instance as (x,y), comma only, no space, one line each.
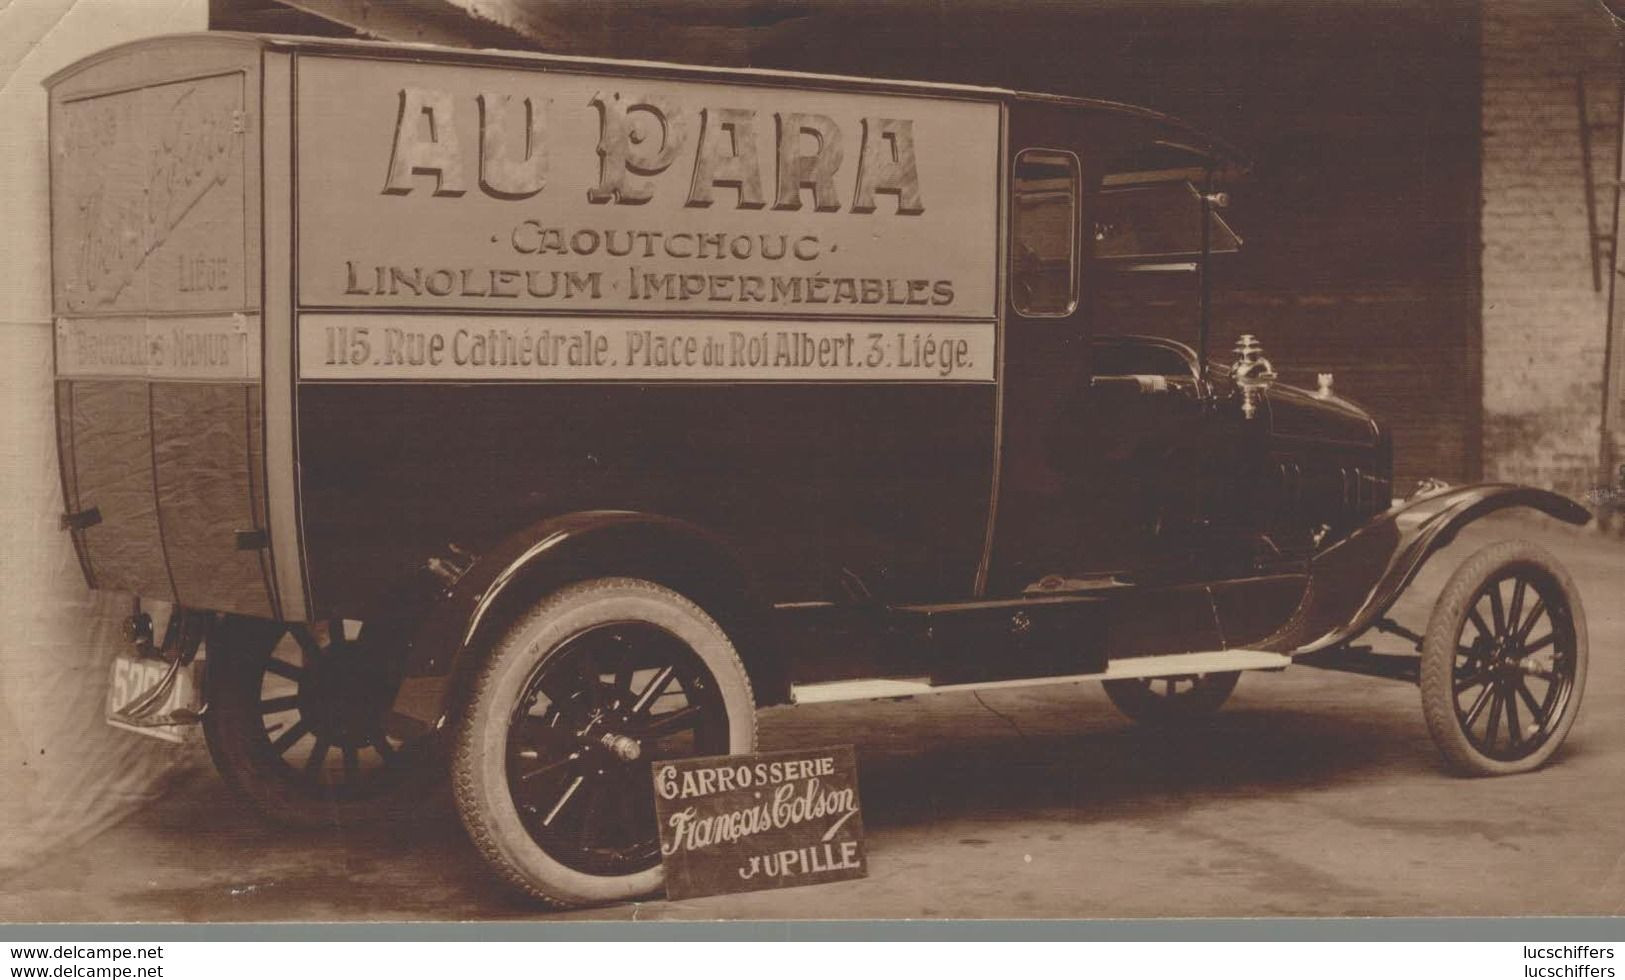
(1144,242)
(1043,233)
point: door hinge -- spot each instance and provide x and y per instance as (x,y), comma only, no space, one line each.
(79,520)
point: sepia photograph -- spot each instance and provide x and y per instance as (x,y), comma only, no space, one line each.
(742,461)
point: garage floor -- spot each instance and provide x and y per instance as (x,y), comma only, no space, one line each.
(1311,793)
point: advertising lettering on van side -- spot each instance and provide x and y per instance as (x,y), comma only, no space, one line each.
(666,210)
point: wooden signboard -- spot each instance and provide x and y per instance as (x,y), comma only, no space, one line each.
(752,822)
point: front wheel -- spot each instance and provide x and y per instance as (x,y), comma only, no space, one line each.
(1504,661)
(551,764)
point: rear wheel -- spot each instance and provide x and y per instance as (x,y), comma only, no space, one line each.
(1504,661)
(552,759)
(295,722)
(1168,701)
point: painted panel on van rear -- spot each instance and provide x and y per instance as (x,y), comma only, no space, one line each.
(149,199)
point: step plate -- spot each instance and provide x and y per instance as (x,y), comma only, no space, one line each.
(1167,665)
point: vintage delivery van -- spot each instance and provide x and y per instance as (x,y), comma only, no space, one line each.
(540,418)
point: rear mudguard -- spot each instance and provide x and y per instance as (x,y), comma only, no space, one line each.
(480,595)
(1355,581)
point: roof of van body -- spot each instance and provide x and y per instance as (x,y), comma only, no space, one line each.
(1188,136)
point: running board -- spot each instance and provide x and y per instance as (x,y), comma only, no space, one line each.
(1167,665)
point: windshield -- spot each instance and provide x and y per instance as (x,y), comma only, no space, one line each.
(1145,239)
(1152,223)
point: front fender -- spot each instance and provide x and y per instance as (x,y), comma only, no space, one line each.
(1354,582)
(483,596)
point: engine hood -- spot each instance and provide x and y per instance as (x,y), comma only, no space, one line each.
(1295,413)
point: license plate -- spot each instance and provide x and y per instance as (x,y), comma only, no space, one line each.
(132,677)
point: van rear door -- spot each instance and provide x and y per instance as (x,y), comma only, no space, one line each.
(155,229)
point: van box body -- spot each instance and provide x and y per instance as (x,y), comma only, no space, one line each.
(325,310)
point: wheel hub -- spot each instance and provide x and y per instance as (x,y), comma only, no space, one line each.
(604,742)
(342,695)
(622,747)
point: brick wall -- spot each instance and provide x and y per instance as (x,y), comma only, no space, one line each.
(1543,320)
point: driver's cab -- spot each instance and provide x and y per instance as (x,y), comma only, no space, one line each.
(1116,463)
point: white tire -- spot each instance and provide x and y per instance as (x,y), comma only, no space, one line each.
(551,758)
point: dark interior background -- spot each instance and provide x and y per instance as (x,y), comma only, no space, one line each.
(1361,116)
